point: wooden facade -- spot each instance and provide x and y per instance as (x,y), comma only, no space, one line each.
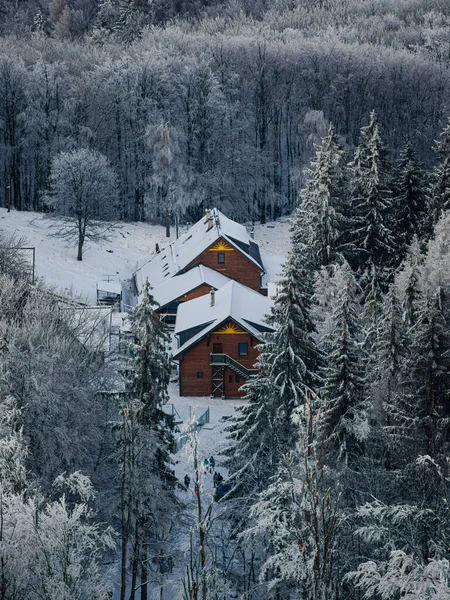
(199,377)
(229,261)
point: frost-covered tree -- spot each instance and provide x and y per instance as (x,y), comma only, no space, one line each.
(409,200)
(428,372)
(439,193)
(344,420)
(407,541)
(367,242)
(321,203)
(145,443)
(83,195)
(51,547)
(288,364)
(297,517)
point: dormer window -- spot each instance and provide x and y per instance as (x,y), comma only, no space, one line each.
(221,258)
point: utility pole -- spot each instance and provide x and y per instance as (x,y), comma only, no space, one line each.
(8,196)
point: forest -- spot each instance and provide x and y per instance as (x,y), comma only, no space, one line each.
(335,113)
(197,103)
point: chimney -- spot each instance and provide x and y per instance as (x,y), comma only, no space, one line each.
(213,297)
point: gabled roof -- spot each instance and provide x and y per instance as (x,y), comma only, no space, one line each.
(176,257)
(232,301)
(186,282)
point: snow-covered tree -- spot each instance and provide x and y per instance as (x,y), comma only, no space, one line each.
(297,516)
(407,541)
(321,203)
(145,443)
(428,371)
(50,547)
(439,193)
(344,419)
(83,195)
(367,242)
(288,365)
(409,200)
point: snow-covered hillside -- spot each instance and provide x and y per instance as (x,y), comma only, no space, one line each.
(130,245)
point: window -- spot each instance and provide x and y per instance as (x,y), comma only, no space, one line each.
(230,378)
(221,258)
(238,378)
(243,349)
(200,374)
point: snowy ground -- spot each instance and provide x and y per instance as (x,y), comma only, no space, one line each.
(129,246)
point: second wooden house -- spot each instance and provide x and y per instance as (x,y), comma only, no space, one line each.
(217,336)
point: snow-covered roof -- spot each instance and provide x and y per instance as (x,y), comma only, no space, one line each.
(185,282)
(233,300)
(194,242)
(273,266)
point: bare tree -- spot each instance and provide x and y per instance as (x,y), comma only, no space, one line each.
(83,195)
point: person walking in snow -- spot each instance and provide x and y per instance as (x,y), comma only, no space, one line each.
(215,479)
(187,480)
(212,464)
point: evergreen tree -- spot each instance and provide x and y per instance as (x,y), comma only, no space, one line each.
(288,363)
(386,369)
(321,203)
(410,276)
(439,194)
(367,242)
(409,200)
(146,441)
(298,518)
(429,374)
(344,420)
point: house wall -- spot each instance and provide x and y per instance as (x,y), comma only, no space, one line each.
(202,290)
(236,266)
(197,358)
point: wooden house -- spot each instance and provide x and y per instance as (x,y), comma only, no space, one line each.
(218,334)
(196,282)
(215,242)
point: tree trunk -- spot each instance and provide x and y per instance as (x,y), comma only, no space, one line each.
(80,249)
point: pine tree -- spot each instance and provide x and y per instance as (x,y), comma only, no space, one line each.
(409,200)
(410,276)
(386,370)
(321,203)
(367,242)
(289,361)
(429,374)
(439,193)
(145,444)
(297,516)
(344,419)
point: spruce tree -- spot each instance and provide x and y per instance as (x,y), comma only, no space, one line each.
(297,516)
(439,193)
(344,419)
(409,200)
(146,441)
(321,203)
(289,361)
(367,242)
(429,374)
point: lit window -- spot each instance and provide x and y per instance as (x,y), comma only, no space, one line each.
(243,349)
(221,258)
